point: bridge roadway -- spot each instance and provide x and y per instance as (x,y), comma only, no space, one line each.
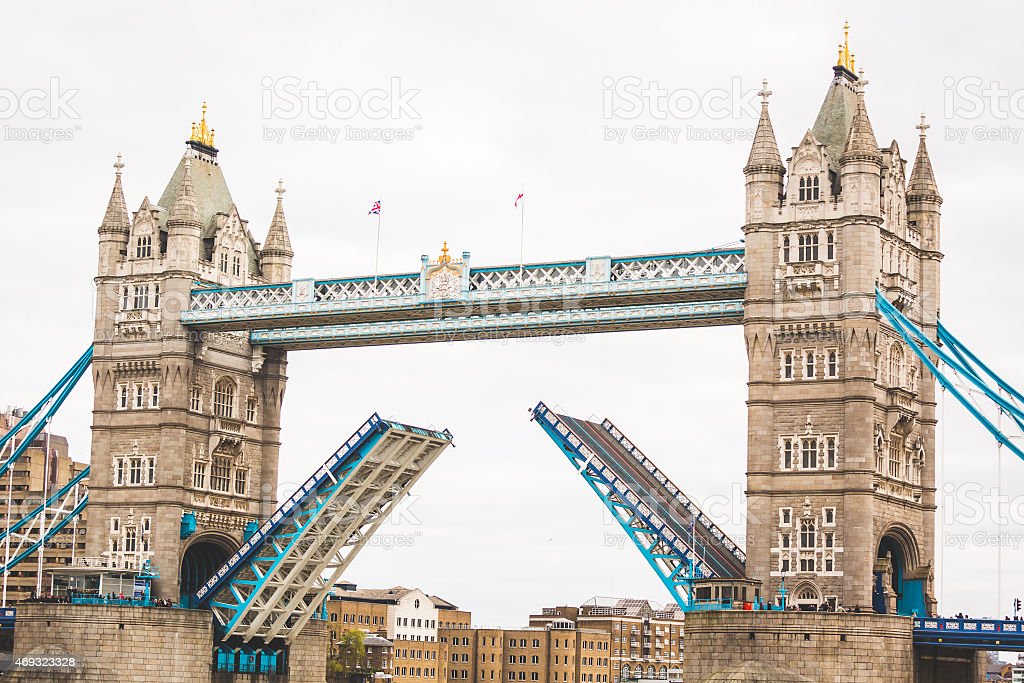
(646,486)
(974,634)
(448,300)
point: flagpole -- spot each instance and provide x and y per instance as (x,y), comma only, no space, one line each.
(376,260)
(522,236)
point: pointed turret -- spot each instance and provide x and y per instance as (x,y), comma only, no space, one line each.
(116,217)
(861,144)
(184,226)
(764,169)
(764,153)
(861,163)
(276,255)
(922,179)
(185,211)
(114,230)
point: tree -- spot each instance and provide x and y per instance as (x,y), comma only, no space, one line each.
(351,650)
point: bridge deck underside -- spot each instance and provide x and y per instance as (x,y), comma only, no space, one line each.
(276,582)
(597,295)
(684,520)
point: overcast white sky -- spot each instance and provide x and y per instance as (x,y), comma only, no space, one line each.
(495,97)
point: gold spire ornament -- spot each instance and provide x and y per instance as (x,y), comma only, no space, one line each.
(845,56)
(444,257)
(202,133)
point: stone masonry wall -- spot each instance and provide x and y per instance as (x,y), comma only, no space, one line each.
(138,644)
(823,647)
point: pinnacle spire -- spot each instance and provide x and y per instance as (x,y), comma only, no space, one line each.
(278,241)
(764,153)
(922,178)
(116,217)
(861,143)
(185,211)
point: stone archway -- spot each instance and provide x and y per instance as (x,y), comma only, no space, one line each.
(899,587)
(806,596)
(203,556)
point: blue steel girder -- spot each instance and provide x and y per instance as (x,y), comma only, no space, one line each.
(594,295)
(39,526)
(960,362)
(674,557)
(280,576)
(973,634)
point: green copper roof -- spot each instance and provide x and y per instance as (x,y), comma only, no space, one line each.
(836,116)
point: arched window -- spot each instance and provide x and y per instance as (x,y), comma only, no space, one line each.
(895,365)
(625,671)
(663,673)
(224,398)
(236,265)
(639,671)
(808,535)
(130,539)
(223,261)
(143,246)
(785,249)
(650,671)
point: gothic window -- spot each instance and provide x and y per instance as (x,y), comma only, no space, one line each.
(143,246)
(787,365)
(140,397)
(785,516)
(224,398)
(809,454)
(830,539)
(196,399)
(223,261)
(809,364)
(220,474)
(895,365)
(124,299)
(784,541)
(236,265)
(154,395)
(147,524)
(830,452)
(809,188)
(250,409)
(119,472)
(784,564)
(830,245)
(141,298)
(830,564)
(828,516)
(151,471)
(115,525)
(785,248)
(122,397)
(808,535)
(135,471)
(241,477)
(130,539)
(807,246)
(156,296)
(895,455)
(787,454)
(832,363)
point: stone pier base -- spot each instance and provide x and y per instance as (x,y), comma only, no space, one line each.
(141,645)
(798,646)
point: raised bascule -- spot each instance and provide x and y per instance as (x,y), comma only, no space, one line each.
(836,287)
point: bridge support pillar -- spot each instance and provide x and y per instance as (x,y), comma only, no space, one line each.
(937,664)
(798,646)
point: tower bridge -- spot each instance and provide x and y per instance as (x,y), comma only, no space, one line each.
(836,287)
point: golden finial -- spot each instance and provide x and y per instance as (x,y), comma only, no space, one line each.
(845,59)
(201,133)
(444,257)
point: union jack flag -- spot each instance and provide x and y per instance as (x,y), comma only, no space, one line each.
(375,208)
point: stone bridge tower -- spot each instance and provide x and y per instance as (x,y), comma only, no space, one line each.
(841,466)
(186,430)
